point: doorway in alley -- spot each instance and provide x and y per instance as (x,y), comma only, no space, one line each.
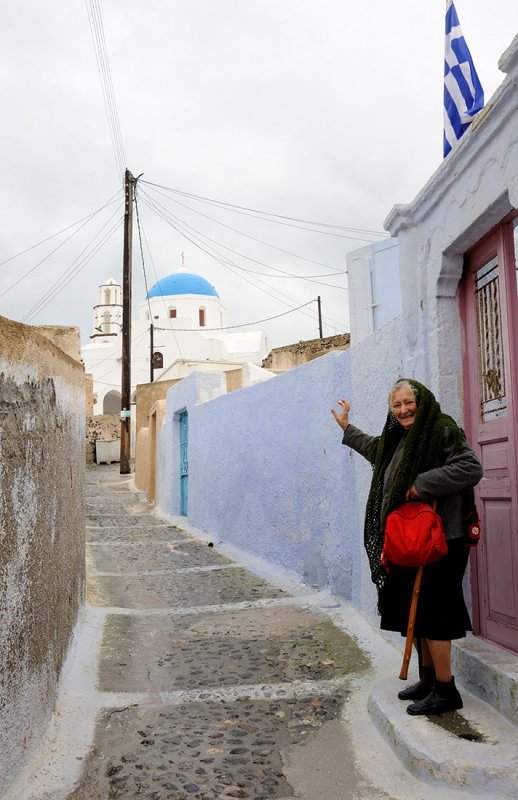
(184,461)
(490,317)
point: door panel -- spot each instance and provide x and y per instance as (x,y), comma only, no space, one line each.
(498,519)
(489,300)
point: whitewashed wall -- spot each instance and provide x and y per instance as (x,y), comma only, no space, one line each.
(268,472)
(374,288)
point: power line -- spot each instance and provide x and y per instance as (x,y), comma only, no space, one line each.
(145,282)
(103,65)
(42,261)
(216,256)
(135,341)
(244,324)
(247,235)
(53,236)
(65,279)
(283,273)
(228,264)
(281,219)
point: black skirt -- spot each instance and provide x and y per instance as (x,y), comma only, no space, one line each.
(441,610)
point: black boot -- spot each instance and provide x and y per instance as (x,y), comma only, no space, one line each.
(421,689)
(443,697)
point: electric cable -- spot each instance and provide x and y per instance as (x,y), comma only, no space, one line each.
(247,235)
(224,261)
(134,341)
(37,309)
(265,215)
(103,65)
(244,324)
(73,270)
(283,273)
(217,257)
(53,236)
(145,280)
(42,261)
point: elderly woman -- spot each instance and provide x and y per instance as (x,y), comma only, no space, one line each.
(421,453)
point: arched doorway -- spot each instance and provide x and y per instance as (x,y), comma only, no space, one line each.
(112,402)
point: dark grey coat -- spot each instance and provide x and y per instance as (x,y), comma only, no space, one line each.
(444,482)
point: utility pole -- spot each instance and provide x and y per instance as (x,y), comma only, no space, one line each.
(319,318)
(151,354)
(129,191)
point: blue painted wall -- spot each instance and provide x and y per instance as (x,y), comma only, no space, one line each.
(267,471)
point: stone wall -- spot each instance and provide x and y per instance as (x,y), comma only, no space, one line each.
(67,338)
(89,395)
(42,560)
(105,427)
(284,358)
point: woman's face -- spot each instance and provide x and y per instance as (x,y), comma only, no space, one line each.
(404,407)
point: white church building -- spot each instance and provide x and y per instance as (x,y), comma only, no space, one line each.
(181,329)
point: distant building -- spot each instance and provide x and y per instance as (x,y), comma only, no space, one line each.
(188,320)
(281,359)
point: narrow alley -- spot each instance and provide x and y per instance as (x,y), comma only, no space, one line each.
(193,678)
(228,673)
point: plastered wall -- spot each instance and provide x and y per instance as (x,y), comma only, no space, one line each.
(267,470)
(42,456)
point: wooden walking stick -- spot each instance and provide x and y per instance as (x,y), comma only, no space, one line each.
(411,622)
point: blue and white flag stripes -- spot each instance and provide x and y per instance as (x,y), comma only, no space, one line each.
(463,93)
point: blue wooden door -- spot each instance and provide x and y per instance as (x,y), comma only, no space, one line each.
(184,462)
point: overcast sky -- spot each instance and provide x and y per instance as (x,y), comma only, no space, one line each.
(328,111)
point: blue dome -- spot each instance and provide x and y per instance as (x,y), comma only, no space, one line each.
(182,283)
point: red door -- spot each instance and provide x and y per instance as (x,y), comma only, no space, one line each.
(490,311)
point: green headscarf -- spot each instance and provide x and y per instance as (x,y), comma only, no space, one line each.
(423,450)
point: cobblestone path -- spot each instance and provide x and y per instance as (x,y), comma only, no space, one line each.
(211,681)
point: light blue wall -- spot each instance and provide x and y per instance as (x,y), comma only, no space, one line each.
(267,471)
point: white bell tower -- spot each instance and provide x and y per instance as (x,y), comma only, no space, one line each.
(108,311)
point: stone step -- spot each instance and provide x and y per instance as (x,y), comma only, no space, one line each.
(489,672)
(474,749)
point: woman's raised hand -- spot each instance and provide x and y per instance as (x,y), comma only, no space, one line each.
(342,416)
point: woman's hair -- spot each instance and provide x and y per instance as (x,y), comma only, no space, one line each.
(402,383)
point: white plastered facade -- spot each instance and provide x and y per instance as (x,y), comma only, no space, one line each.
(187,333)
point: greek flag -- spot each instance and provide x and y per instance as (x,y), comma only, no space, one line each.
(463,93)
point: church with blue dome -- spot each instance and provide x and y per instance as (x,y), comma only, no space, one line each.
(184,296)
(182,283)
(184,318)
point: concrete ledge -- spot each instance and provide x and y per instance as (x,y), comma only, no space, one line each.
(436,755)
(490,672)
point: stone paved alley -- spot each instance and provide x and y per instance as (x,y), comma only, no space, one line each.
(194,678)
